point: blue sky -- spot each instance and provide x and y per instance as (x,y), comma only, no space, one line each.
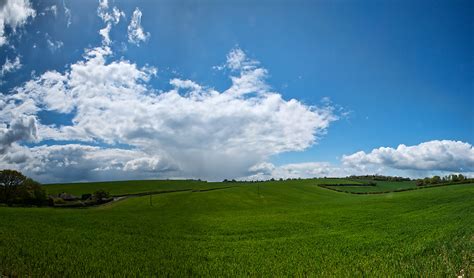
(396,72)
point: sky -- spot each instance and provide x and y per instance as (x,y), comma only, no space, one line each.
(113,90)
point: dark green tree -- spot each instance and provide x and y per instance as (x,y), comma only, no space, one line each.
(10,180)
(435,180)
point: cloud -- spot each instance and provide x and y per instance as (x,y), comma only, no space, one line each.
(10,66)
(237,60)
(14,14)
(23,128)
(76,162)
(67,13)
(104,32)
(108,17)
(149,164)
(52,44)
(52,9)
(426,159)
(445,155)
(185,84)
(189,131)
(136,34)
(266,170)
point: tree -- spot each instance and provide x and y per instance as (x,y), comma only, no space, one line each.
(420,183)
(30,192)
(435,180)
(10,180)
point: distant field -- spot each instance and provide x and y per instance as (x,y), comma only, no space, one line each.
(133,187)
(293,228)
(381,186)
(127,187)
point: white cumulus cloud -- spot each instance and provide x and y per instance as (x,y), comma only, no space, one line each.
(189,131)
(444,155)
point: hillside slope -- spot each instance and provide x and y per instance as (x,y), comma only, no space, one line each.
(291,228)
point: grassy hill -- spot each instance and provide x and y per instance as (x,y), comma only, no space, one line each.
(291,228)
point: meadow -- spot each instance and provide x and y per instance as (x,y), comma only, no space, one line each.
(281,228)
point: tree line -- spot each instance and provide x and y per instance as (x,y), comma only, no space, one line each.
(446,179)
(379,178)
(17,189)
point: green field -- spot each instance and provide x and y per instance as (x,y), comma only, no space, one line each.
(134,187)
(293,228)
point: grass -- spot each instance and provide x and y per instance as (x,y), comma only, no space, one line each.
(292,228)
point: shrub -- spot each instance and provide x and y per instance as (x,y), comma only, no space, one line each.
(58,201)
(101,194)
(86,196)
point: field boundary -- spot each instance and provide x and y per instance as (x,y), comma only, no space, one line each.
(349,184)
(390,191)
(140,194)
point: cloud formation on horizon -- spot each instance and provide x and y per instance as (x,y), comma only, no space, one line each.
(425,159)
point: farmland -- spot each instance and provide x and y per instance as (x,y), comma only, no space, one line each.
(275,228)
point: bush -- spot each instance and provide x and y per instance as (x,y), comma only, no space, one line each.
(101,194)
(33,193)
(56,201)
(86,196)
